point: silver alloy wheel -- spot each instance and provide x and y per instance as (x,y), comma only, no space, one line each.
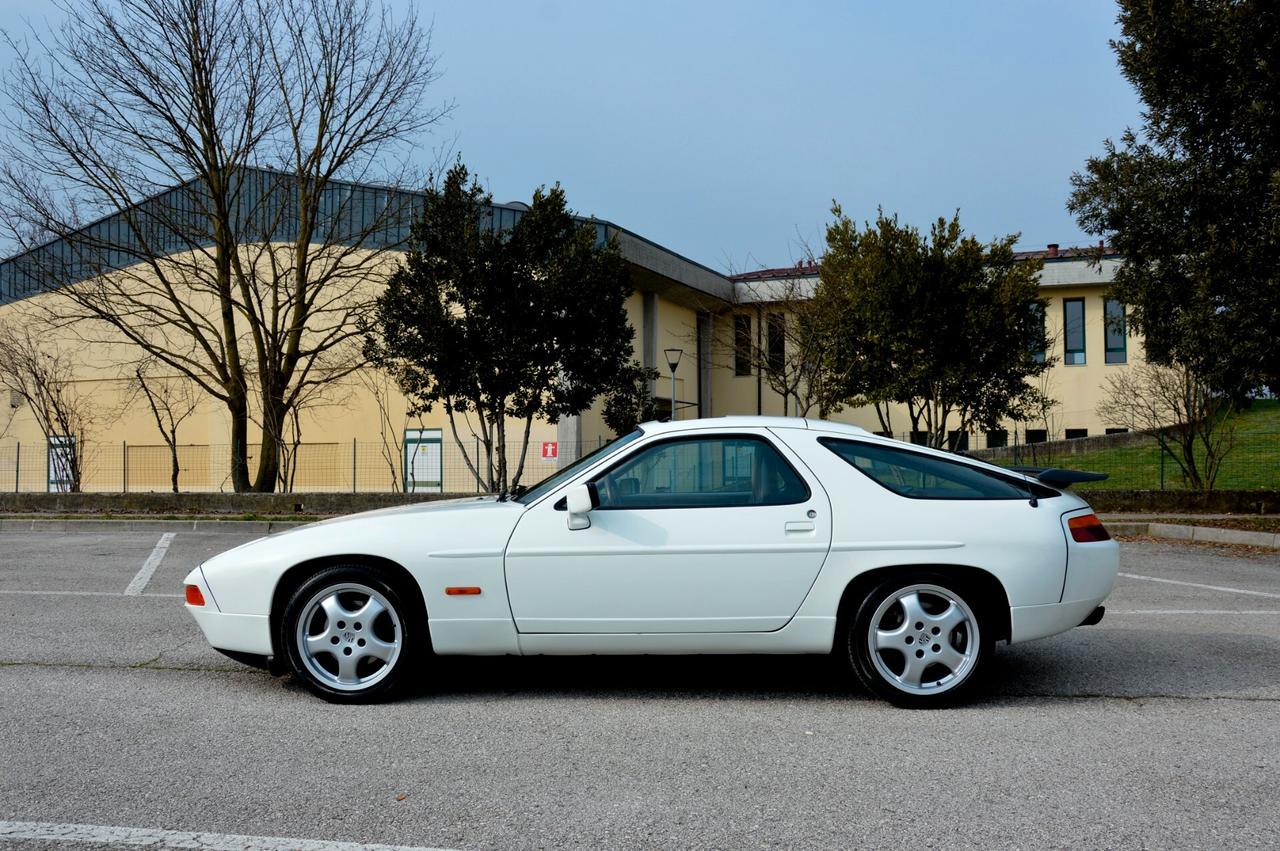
(923,639)
(348,636)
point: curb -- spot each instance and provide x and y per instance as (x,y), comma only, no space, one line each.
(261,527)
(1202,534)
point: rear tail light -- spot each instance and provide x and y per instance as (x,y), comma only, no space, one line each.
(194,597)
(1087,529)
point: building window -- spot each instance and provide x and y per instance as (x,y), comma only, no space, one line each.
(1073,330)
(920,438)
(776,342)
(997,439)
(1039,353)
(958,441)
(742,344)
(1114,331)
(1117,431)
(1076,433)
(1037,435)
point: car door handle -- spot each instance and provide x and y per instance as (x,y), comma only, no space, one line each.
(799,526)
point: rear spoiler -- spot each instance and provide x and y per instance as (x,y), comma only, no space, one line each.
(1058,478)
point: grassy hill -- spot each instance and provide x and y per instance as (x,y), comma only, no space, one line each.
(1253,464)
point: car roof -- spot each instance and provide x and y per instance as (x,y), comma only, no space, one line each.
(823,426)
(750,422)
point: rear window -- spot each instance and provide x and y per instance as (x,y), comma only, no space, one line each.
(920,476)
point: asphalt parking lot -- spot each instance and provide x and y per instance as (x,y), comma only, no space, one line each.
(1158,727)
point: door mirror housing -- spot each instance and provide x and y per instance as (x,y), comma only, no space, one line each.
(579,501)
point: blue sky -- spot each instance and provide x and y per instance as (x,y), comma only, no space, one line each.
(723,130)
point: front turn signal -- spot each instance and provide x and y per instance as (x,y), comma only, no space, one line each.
(194,597)
(1087,529)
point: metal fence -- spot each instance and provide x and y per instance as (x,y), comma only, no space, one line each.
(439,466)
(1146,460)
(431,466)
(1132,460)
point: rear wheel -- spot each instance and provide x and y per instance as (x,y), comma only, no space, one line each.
(918,641)
(348,636)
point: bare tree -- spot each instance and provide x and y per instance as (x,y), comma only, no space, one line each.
(1193,424)
(788,347)
(172,401)
(195,164)
(44,378)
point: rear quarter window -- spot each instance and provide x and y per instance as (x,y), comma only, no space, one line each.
(920,476)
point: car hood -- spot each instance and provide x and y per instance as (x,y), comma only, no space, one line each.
(413,536)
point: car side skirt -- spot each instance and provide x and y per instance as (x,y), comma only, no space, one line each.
(801,635)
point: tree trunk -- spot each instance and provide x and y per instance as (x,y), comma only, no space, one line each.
(239,443)
(273,416)
(173,459)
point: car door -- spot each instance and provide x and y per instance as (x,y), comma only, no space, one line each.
(695,532)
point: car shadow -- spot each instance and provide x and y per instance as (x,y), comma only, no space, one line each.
(1088,662)
(597,677)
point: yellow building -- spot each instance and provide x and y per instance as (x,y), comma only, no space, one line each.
(1084,347)
(361,439)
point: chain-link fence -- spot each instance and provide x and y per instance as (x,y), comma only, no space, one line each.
(433,464)
(1132,460)
(423,465)
(1150,460)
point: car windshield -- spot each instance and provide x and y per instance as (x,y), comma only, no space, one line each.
(557,478)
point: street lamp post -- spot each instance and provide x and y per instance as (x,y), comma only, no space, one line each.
(673,360)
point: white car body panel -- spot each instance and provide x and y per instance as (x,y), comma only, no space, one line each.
(668,570)
(676,580)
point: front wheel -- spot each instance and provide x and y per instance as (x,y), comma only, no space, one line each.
(347,634)
(918,641)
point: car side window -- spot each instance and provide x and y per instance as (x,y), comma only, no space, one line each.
(921,476)
(702,472)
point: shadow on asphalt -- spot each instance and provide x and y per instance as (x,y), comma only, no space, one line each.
(1120,663)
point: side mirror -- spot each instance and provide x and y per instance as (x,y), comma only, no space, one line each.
(579,501)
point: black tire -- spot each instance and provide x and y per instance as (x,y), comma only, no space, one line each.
(349,660)
(944,648)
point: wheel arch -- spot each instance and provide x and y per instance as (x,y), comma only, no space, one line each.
(293,578)
(988,587)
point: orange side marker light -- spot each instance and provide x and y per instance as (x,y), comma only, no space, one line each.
(194,597)
(462,590)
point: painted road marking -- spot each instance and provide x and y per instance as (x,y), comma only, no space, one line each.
(1198,585)
(107,835)
(149,566)
(1192,612)
(83,593)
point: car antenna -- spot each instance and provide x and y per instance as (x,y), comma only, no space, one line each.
(1035,503)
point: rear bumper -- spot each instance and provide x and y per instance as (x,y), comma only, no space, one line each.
(1030,622)
(1091,574)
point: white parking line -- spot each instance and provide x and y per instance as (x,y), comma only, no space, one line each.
(107,835)
(1193,612)
(1198,585)
(149,566)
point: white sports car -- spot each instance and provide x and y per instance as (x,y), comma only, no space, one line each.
(732,535)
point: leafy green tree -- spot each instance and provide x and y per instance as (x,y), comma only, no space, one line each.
(502,327)
(630,402)
(944,325)
(1191,199)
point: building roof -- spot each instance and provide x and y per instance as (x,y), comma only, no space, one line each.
(1063,267)
(353,213)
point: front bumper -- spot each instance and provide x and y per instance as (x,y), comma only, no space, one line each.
(237,633)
